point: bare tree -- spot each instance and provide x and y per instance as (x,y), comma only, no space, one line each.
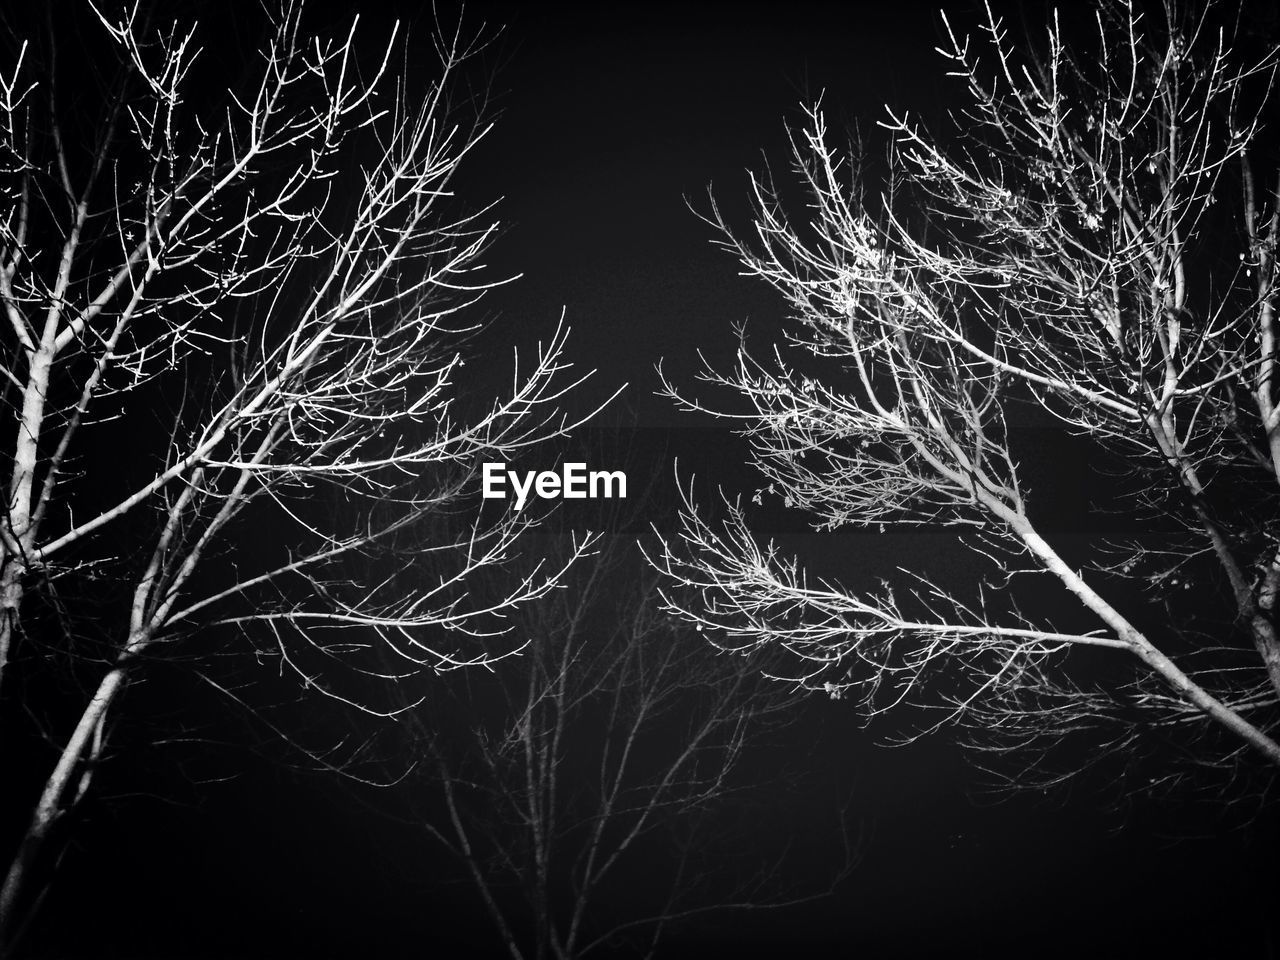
(232,363)
(1096,240)
(580,786)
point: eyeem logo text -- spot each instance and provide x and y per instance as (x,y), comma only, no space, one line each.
(573,482)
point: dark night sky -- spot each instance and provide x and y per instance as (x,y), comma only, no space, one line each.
(612,115)
(617,114)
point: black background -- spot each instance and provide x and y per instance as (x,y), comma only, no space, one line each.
(612,117)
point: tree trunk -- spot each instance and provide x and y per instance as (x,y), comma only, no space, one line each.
(51,806)
(10,601)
